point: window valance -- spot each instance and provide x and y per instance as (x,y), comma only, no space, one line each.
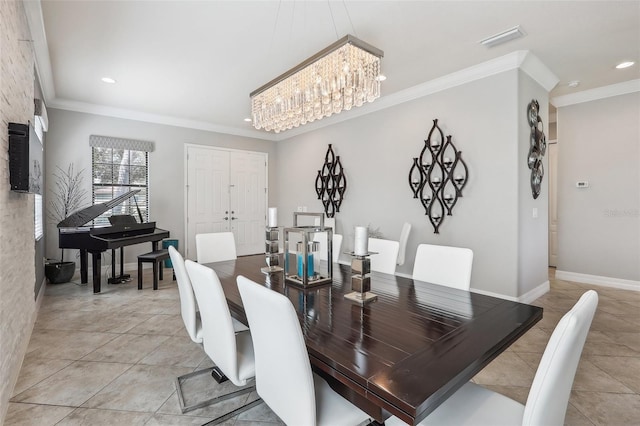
(121,143)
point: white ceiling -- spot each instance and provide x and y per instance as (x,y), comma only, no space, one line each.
(195,62)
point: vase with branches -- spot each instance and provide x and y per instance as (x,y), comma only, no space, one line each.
(67,196)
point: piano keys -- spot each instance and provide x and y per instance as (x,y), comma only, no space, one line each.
(73,234)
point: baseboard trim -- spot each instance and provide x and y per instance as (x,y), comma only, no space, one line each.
(525,298)
(528,297)
(611,282)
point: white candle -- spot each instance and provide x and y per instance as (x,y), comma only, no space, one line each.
(272,220)
(361,245)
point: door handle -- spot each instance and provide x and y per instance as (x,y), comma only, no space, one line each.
(233,218)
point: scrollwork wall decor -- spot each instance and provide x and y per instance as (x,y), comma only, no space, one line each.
(537,147)
(331,183)
(438,176)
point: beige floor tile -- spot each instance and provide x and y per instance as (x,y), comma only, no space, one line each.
(517,393)
(534,340)
(169,420)
(19,414)
(126,348)
(575,417)
(506,370)
(531,358)
(35,370)
(607,322)
(608,408)
(624,369)
(141,388)
(74,384)
(94,417)
(155,306)
(261,414)
(166,325)
(589,377)
(609,349)
(617,307)
(629,339)
(65,344)
(178,351)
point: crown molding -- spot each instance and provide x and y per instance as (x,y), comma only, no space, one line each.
(603,92)
(522,59)
(88,108)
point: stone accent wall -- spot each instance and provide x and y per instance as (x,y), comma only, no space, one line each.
(17,270)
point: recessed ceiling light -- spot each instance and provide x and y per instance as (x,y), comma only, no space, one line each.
(108,80)
(503,37)
(625,64)
(574,83)
(248,120)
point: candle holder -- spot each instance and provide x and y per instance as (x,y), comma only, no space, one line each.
(309,271)
(360,280)
(272,238)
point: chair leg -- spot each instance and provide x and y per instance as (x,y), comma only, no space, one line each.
(139,275)
(155,275)
(184,408)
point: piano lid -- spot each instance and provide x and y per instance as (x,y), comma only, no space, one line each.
(87,214)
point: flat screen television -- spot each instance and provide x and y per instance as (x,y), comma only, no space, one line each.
(25,159)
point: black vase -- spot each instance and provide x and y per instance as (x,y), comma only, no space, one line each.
(59,272)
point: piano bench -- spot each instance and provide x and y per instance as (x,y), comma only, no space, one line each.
(156,257)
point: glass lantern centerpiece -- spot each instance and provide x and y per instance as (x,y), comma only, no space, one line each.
(303,266)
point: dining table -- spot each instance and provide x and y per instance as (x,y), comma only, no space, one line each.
(402,354)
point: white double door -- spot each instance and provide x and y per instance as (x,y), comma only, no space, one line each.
(226,191)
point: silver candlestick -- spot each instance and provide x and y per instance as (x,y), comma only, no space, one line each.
(272,238)
(360,280)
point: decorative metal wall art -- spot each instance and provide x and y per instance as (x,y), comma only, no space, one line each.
(331,183)
(438,176)
(537,147)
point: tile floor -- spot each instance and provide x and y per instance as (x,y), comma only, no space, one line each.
(112,359)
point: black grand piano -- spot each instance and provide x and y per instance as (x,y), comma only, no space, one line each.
(73,234)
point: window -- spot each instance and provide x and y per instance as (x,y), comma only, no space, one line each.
(39,230)
(117,168)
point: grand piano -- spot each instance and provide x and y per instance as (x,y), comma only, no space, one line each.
(74,234)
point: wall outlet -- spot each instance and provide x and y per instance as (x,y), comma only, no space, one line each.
(535,213)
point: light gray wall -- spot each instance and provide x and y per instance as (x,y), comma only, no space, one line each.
(68,140)
(599,227)
(533,233)
(18,309)
(376,150)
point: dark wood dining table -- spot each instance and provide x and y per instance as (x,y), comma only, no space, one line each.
(403,354)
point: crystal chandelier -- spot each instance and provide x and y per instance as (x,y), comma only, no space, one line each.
(343,75)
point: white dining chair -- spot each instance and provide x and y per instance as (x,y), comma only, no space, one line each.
(404,238)
(284,379)
(443,265)
(215,247)
(549,395)
(321,237)
(386,257)
(193,325)
(230,351)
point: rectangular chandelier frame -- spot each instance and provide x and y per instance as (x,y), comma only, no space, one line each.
(296,98)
